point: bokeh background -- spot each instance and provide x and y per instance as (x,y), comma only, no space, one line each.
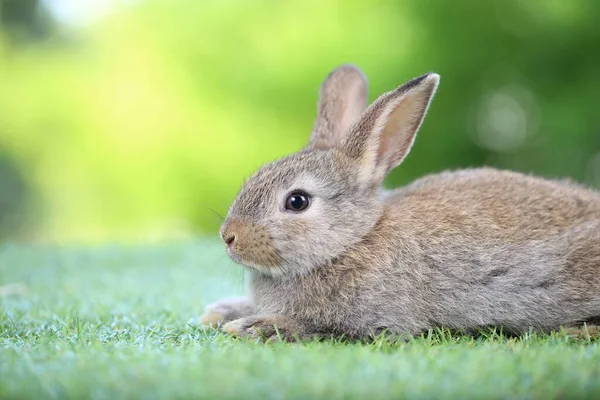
(132,120)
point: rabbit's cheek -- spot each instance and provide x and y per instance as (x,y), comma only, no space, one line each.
(295,229)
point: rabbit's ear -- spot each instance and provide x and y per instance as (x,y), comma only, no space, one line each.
(386,131)
(343,98)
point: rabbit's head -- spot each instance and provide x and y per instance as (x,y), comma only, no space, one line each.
(305,210)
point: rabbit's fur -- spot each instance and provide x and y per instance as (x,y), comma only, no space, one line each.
(461,250)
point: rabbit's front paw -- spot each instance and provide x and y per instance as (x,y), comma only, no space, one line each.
(267,328)
(211,318)
(226,310)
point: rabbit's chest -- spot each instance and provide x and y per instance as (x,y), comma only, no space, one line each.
(319,302)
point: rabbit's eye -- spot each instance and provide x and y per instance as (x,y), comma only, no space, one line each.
(297,201)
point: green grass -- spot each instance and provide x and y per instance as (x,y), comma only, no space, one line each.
(116,322)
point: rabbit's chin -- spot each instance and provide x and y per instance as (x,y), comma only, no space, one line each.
(255,266)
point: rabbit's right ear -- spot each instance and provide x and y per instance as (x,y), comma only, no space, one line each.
(386,131)
(342,100)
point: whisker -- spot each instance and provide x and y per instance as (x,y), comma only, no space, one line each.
(241,277)
(221,218)
(234,270)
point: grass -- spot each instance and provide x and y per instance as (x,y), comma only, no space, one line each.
(117,322)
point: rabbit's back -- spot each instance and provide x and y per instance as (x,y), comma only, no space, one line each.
(489,247)
(489,203)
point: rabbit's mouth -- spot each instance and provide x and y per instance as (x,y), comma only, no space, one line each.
(263,262)
(234,256)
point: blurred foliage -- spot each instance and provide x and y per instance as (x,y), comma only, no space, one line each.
(140,123)
(25,19)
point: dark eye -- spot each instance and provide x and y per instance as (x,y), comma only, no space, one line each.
(297,201)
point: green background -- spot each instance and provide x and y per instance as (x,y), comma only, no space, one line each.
(131,124)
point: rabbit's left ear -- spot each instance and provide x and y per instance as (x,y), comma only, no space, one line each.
(382,137)
(343,98)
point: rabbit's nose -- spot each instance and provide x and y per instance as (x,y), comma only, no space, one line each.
(230,231)
(229,240)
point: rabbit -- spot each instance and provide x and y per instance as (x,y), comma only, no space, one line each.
(331,253)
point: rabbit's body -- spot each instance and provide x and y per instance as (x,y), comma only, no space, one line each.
(331,253)
(465,266)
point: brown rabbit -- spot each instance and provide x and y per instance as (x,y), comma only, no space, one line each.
(332,253)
